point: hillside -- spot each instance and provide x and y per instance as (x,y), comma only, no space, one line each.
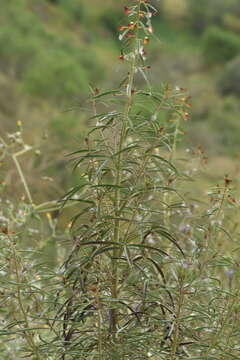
(52,52)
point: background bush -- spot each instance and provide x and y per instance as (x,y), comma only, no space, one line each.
(220,46)
(202,14)
(54,71)
(54,50)
(229,82)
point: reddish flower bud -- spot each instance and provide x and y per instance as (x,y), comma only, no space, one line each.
(186,115)
(121,27)
(131,25)
(146,40)
(127,10)
(227,180)
(146,67)
(121,58)
(130,34)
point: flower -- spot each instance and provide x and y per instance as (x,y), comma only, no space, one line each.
(146,40)
(186,115)
(121,27)
(131,25)
(127,10)
(229,273)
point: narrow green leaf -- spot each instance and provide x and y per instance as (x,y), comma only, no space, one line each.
(110,92)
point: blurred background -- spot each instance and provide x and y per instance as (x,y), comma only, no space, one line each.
(53,51)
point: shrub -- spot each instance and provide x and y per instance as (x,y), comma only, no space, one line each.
(231,22)
(19,37)
(229,82)
(47,65)
(224,122)
(61,72)
(220,46)
(17,50)
(74,8)
(206,13)
(111,19)
(56,74)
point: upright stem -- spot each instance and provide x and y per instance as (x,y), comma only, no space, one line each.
(223,318)
(18,167)
(167,195)
(174,143)
(116,234)
(176,330)
(27,333)
(20,172)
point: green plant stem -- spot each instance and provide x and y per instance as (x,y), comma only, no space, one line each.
(176,330)
(99,322)
(166,195)
(22,177)
(116,234)
(222,323)
(28,335)
(223,198)
(141,171)
(18,167)
(174,143)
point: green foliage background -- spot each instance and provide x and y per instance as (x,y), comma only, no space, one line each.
(52,52)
